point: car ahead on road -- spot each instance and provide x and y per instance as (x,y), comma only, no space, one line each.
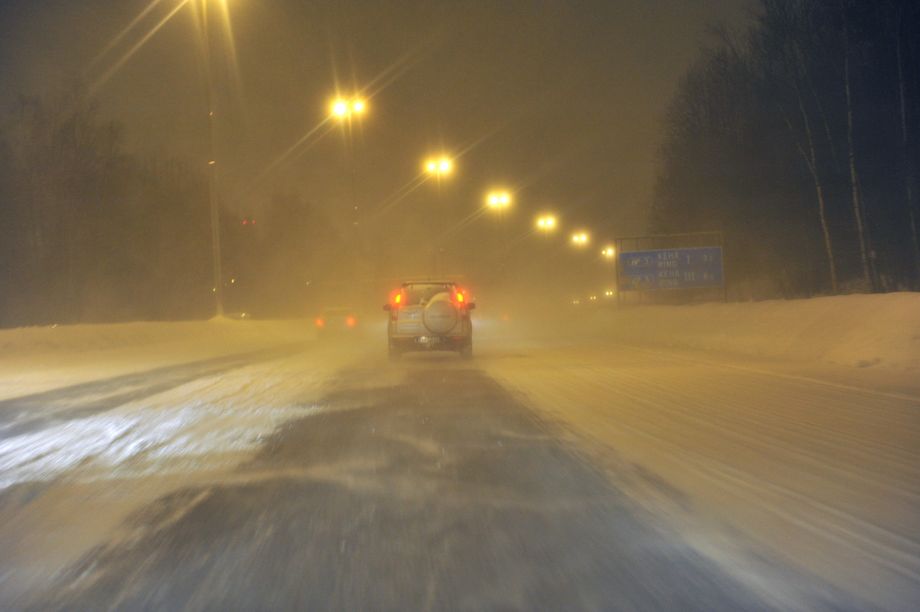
(336,320)
(430,315)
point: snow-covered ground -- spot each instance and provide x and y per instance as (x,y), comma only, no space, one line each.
(34,359)
(791,427)
(98,421)
(862,331)
(149,397)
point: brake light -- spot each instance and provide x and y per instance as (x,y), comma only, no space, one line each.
(350,321)
(320,322)
(459,297)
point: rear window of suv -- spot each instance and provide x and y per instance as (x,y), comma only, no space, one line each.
(421,294)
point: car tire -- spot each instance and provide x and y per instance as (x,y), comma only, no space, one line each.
(467,351)
(394,352)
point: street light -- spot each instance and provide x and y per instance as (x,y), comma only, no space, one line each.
(439,166)
(608,252)
(213,199)
(344,109)
(580,239)
(546,223)
(498,200)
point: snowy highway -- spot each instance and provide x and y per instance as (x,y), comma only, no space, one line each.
(436,305)
(550,472)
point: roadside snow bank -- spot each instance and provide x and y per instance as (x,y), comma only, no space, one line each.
(851,330)
(218,332)
(34,359)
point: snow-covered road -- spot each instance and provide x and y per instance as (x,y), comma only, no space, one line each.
(748,456)
(779,484)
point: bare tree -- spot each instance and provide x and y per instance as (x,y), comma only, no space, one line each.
(794,71)
(809,153)
(855,193)
(896,26)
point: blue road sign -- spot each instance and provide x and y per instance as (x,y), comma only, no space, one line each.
(689,268)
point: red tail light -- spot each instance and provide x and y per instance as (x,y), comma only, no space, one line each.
(320,322)
(396,298)
(460,297)
(350,321)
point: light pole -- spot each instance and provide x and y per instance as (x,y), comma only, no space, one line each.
(610,254)
(213,201)
(438,167)
(345,111)
(498,201)
(546,224)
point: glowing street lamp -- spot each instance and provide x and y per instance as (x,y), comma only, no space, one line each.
(498,200)
(214,205)
(608,252)
(546,223)
(439,166)
(580,239)
(347,108)
(344,110)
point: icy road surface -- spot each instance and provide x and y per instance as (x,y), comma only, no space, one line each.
(564,473)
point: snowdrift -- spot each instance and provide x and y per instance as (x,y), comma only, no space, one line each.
(219,334)
(34,359)
(878,331)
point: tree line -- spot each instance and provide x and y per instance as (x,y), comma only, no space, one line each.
(798,139)
(91,232)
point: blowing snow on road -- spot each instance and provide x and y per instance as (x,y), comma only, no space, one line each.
(560,472)
(460,305)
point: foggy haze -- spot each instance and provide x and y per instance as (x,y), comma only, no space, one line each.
(460,305)
(560,102)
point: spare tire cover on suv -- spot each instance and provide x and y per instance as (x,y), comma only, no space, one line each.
(439,315)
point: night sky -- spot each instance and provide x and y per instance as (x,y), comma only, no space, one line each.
(560,101)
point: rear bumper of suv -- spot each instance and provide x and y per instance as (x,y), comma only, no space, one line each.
(429,343)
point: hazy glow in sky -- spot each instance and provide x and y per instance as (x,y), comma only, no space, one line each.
(561,103)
